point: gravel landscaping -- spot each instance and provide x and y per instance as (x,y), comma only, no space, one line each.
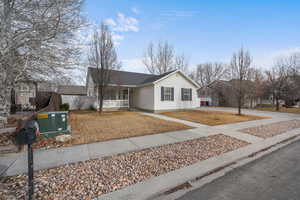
(6,139)
(89,179)
(270,130)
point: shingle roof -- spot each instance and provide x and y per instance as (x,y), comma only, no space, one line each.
(71,90)
(128,78)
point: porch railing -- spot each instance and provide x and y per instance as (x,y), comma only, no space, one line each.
(115,103)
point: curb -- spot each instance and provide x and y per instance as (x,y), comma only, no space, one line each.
(181,178)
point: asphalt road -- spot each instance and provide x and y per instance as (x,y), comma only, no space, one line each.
(273,177)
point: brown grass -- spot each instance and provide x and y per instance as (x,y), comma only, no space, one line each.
(92,127)
(282,109)
(211,118)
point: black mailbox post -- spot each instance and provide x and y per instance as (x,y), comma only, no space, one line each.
(27,135)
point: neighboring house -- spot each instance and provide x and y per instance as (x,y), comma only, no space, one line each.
(222,93)
(24,95)
(214,94)
(74,95)
(170,91)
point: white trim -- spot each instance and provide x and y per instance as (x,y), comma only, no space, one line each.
(185,76)
(116,85)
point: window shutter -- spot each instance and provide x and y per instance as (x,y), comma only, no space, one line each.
(172,98)
(191,94)
(162,94)
(182,97)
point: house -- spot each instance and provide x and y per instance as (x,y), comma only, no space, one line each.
(169,91)
(223,93)
(24,94)
(215,94)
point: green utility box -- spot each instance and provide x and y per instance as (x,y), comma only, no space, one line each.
(53,123)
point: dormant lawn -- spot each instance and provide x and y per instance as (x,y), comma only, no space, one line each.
(210,118)
(91,126)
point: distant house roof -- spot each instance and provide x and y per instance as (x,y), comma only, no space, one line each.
(128,78)
(71,90)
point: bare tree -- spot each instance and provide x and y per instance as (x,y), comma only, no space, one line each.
(207,73)
(277,79)
(292,63)
(160,59)
(103,57)
(150,60)
(181,63)
(36,40)
(255,88)
(239,72)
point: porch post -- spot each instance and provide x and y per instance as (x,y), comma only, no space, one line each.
(128,98)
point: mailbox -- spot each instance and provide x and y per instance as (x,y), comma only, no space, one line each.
(27,134)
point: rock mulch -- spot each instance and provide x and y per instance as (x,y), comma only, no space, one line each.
(273,129)
(48,143)
(89,179)
(6,139)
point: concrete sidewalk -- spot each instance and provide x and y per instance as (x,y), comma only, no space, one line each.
(14,164)
(17,163)
(47,158)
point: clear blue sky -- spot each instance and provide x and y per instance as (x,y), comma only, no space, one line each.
(208,30)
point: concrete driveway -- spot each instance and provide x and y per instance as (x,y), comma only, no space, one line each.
(253,112)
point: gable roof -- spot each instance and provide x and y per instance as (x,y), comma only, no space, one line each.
(71,90)
(180,72)
(128,78)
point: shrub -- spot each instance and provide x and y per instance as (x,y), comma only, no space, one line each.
(92,107)
(64,107)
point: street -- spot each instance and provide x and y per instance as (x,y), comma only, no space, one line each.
(273,177)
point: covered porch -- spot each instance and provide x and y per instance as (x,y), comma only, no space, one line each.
(117,97)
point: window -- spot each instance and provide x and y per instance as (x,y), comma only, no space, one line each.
(25,87)
(167,94)
(125,95)
(186,94)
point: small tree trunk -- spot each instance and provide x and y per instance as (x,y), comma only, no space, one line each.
(240,104)
(36,94)
(101,105)
(100,98)
(277,104)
